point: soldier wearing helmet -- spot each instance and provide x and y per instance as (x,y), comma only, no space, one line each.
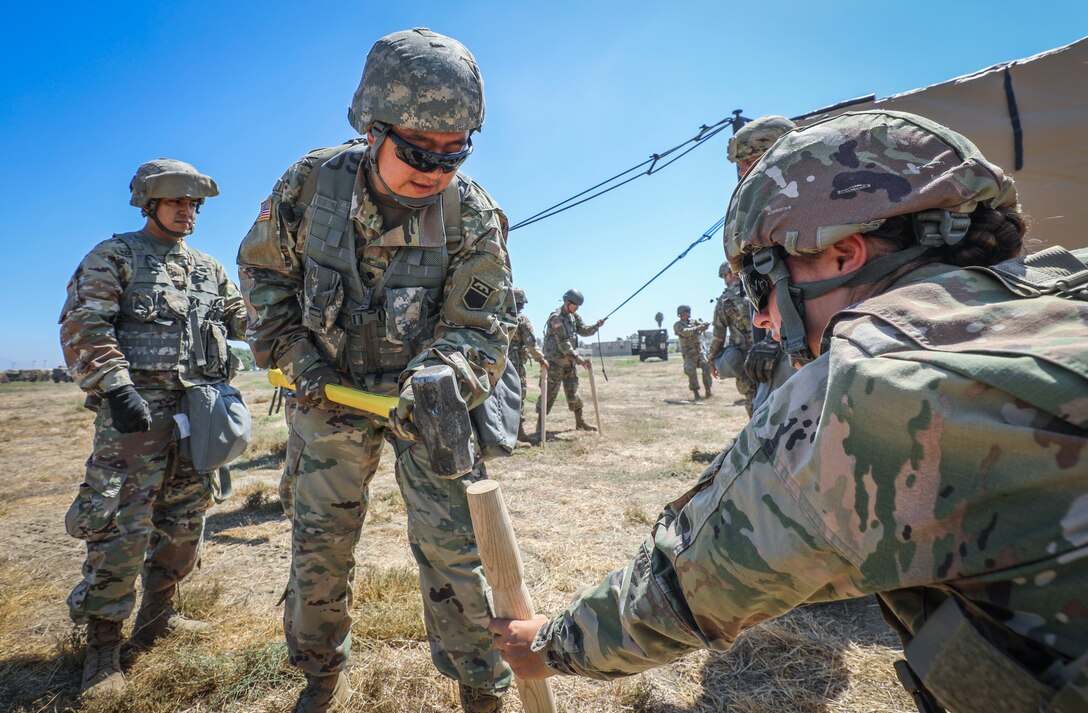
(522,347)
(933,451)
(732,336)
(146,317)
(560,349)
(765,366)
(368,262)
(689,332)
(754,138)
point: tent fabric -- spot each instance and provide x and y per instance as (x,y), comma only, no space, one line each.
(1050,94)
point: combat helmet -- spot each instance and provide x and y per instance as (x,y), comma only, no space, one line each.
(168,178)
(573,295)
(421,80)
(758,135)
(845,175)
(683,308)
(519,297)
(724,269)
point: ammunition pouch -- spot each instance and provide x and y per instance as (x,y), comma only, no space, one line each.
(961,659)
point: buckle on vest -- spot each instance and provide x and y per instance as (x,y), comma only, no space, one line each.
(359,317)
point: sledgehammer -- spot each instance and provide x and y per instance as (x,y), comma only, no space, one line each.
(440,414)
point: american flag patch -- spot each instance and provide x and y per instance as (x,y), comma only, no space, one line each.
(266,210)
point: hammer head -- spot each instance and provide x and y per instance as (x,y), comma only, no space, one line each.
(441,416)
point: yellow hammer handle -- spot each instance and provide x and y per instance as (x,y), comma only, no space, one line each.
(344,395)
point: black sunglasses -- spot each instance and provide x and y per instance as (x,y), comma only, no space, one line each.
(426,161)
(755,276)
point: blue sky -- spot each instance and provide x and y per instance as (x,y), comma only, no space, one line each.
(576,92)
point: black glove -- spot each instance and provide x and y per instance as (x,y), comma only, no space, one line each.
(310,386)
(761,360)
(128,409)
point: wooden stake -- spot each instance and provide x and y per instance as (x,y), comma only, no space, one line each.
(503,569)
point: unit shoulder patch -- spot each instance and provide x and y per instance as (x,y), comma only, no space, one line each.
(477,294)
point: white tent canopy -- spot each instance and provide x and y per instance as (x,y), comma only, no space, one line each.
(1029,116)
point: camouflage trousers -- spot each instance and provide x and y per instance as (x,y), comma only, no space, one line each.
(140,509)
(335,456)
(746,387)
(565,373)
(693,362)
(520,367)
(287,478)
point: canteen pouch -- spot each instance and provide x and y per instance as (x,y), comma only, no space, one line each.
(219,426)
(730,362)
(496,420)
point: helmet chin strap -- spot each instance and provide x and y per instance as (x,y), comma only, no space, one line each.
(380,130)
(790,298)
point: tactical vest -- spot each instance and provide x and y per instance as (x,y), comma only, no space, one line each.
(551,339)
(963,658)
(372,332)
(163,327)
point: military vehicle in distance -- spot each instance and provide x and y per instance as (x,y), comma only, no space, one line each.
(653,343)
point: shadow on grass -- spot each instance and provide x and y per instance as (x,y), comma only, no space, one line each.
(40,683)
(265,461)
(793,663)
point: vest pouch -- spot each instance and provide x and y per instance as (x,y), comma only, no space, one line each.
(142,304)
(961,666)
(172,306)
(217,355)
(214,426)
(322,297)
(496,420)
(406,311)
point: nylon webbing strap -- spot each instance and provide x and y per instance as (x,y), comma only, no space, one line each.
(1054,271)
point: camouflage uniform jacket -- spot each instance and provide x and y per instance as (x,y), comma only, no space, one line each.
(561,336)
(732,322)
(473,340)
(92,312)
(689,336)
(941,438)
(523,341)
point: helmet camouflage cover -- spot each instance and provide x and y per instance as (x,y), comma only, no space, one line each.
(681,309)
(519,297)
(849,173)
(169,178)
(757,136)
(418,79)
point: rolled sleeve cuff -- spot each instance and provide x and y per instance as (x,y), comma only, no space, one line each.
(297,358)
(542,645)
(113,380)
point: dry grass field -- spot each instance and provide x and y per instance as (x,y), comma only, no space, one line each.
(580,507)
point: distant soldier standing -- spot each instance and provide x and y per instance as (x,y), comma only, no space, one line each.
(522,346)
(733,329)
(368,262)
(766,366)
(146,316)
(689,333)
(560,350)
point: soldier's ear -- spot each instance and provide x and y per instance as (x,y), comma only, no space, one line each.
(850,253)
